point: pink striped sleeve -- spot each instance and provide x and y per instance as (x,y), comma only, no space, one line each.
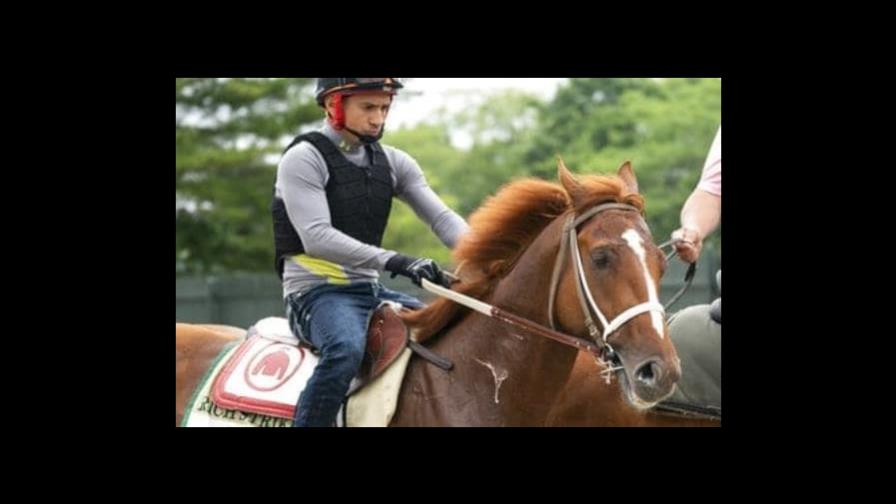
(711,180)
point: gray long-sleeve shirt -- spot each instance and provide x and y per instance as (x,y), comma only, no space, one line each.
(330,255)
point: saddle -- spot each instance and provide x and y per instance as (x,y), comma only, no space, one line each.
(270,369)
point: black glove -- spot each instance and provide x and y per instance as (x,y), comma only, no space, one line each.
(417,269)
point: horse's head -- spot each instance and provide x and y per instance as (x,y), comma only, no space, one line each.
(609,286)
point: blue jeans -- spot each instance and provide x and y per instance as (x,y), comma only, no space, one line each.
(334,319)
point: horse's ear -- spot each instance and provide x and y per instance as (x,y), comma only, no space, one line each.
(575,190)
(628,176)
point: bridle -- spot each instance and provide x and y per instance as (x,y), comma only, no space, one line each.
(569,239)
(598,344)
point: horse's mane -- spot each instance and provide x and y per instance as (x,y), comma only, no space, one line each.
(500,232)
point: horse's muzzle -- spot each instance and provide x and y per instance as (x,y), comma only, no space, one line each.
(653,380)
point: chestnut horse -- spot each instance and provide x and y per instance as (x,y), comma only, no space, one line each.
(514,257)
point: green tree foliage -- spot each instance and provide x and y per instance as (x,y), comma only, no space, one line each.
(664,126)
(228,133)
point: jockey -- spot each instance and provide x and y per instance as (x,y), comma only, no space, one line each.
(332,200)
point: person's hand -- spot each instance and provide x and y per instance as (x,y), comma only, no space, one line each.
(687,243)
(417,269)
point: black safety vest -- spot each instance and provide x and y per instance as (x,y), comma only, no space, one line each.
(360,198)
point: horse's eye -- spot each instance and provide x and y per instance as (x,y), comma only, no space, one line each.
(601,258)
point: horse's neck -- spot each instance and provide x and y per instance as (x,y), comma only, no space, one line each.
(528,370)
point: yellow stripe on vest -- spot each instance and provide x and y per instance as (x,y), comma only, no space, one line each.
(331,271)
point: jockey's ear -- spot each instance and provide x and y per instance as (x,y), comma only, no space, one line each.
(628,176)
(573,188)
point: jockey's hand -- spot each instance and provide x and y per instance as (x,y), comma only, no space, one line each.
(417,269)
(687,243)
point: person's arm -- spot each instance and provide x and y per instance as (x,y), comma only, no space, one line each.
(702,212)
(412,188)
(700,216)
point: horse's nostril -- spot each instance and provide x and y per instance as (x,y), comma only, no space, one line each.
(646,374)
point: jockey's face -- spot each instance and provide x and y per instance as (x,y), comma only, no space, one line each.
(366,112)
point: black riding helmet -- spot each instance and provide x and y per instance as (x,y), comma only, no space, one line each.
(329,85)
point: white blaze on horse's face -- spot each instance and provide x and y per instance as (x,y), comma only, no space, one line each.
(637,244)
